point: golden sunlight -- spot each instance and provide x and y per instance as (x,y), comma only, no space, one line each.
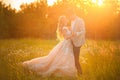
(51,2)
(17,3)
(98,2)
(94,1)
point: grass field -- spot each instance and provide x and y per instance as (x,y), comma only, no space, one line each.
(100,60)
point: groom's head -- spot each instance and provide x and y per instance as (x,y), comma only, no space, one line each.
(71,14)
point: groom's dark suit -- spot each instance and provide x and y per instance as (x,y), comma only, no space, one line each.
(78,40)
(76,51)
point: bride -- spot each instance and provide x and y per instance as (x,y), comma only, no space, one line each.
(60,60)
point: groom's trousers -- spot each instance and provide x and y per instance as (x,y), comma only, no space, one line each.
(76,51)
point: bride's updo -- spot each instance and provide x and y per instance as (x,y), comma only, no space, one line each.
(61,24)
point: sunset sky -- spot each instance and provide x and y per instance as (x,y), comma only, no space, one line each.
(16,3)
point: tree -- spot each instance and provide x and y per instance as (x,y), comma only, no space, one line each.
(38,20)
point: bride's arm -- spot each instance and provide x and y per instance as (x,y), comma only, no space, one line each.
(64,31)
(67,34)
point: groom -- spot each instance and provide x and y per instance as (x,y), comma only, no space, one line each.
(78,36)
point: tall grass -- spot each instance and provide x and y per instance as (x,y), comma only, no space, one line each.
(100,60)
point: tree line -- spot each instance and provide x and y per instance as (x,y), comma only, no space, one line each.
(38,20)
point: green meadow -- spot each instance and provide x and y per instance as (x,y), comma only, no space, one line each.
(100,60)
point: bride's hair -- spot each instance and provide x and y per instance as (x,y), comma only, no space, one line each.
(60,27)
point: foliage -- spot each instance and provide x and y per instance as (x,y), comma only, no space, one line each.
(38,20)
(99,59)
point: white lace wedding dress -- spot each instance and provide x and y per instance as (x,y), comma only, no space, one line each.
(59,62)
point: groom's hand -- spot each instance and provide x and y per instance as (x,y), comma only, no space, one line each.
(73,33)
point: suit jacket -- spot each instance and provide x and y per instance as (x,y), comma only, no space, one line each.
(78,26)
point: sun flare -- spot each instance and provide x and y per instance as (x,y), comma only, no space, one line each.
(98,2)
(51,2)
(17,3)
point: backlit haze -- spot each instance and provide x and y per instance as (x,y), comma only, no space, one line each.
(17,3)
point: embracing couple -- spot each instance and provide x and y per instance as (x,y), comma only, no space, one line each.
(63,59)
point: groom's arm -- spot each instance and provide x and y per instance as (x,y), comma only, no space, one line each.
(80,25)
